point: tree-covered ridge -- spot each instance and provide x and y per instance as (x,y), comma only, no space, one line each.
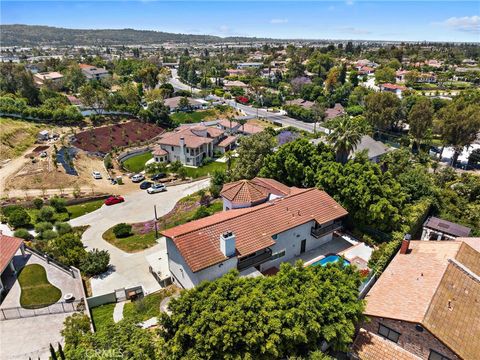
(34,35)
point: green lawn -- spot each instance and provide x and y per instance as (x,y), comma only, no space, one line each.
(103,316)
(84,208)
(192,117)
(147,307)
(37,292)
(137,163)
(205,170)
(131,243)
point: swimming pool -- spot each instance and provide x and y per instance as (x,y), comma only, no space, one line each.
(330,259)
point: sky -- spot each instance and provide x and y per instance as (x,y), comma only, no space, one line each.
(351,19)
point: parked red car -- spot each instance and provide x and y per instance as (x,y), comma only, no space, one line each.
(112,200)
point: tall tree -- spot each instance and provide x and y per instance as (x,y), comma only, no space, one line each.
(345,135)
(382,110)
(252,152)
(459,125)
(420,119)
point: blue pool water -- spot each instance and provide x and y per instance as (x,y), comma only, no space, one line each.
(329,260)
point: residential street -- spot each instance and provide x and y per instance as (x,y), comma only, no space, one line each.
(130,268)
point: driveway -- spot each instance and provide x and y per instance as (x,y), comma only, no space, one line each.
(130,269)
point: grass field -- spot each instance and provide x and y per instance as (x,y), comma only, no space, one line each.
(84,208)
(103,316)
(133,243)
(205,170)
(137,163)
(56,217)
(37,292)
(16,136)
(193,117)
(147,307)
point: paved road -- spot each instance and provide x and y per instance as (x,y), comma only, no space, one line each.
(130,269)
(179,85)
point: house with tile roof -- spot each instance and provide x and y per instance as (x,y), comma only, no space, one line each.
(191,144)
(254,239)
(9,246)
(93,73)
(248,193)
(425,305)
(438,229)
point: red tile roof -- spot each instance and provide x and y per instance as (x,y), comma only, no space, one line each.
(245,191)
(393,87)
(9,245)
(369,346)
(158,151)
(250,129)
(226,123)
(199,241)
(227,141)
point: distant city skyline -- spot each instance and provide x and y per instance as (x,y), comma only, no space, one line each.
(357,20)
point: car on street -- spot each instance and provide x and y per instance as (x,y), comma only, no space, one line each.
(96,175)
(158,176)
(138,177)
(156,188)
(112,200)
(145,185)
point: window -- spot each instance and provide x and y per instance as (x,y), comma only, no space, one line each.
(388,333)
(274,237)
(436,356)
(278,255)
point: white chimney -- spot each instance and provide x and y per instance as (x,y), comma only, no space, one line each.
(227,243)
(182,142)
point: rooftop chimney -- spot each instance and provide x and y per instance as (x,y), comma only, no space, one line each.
(405,244)
(182,142)
(227,243)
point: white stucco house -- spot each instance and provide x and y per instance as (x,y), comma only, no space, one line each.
(94,73)
(252,239)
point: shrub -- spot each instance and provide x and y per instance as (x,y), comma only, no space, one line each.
(122,230)
(38,203)
(96,262)
(175,166)
(46,213)
(107,160)
(9,209)
(63,227)
(58,204)
(182,172)
(381,257)
(43,226)
(215,190)
(201,212)
(23,234)
(49,234)
(19,218)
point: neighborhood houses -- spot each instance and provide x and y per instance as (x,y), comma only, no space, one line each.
(186,196)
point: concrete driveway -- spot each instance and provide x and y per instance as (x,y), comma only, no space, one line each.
(129,269)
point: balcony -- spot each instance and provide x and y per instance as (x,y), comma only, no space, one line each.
(254,259)
(318,232)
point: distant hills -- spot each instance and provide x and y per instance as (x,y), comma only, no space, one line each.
(35,35)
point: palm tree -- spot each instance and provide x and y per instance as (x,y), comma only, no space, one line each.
(345,135)
(229,156)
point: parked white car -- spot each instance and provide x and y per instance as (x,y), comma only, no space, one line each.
(138,177)
(96,175)
(156,188)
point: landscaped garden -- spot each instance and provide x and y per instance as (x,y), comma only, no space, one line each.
(131,238)
(148,307)
(137,163)
(136,237)
(202,115)
(37,291)
(205,169)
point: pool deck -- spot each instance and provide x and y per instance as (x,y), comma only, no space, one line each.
(349,249)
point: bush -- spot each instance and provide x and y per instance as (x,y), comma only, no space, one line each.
(38,203)
(49,234)
(381,257)
(201,212)
(107,160)
(19,218)
(9,209)
(122,230)
(46,213)
(63,227)
(215,190)
(23,234)
(43,226)
(96,262)
(59,204)
(175,166)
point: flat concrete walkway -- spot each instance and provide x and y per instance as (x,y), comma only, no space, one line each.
(130,269)
(118,311)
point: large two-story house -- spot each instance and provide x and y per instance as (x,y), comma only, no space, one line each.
(425,305)
(254,239)
(190,144)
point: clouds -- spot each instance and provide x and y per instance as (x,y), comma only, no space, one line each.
(278,21)
(469,24)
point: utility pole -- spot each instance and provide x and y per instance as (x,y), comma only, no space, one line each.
(156,219)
